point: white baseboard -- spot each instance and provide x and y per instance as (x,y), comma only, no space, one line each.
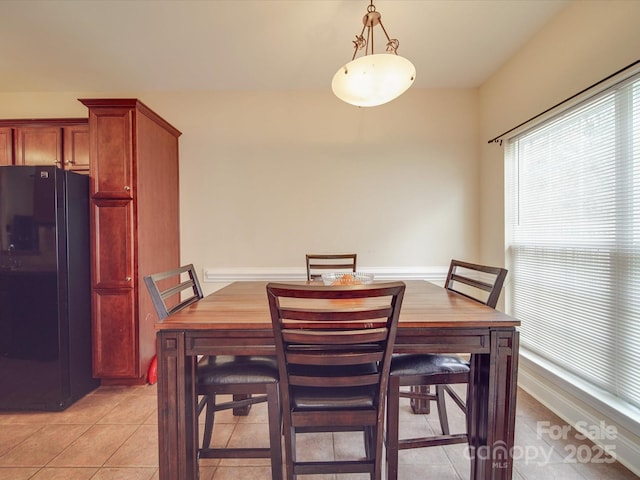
(583,409)
(238,274)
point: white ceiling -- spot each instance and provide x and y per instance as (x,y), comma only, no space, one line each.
(182,45)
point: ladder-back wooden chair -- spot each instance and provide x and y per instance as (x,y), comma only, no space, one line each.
(334,346)
(249,379)
(317,263)
(420,371)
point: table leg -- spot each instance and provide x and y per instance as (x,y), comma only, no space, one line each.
(241,411)
(491,410)
(177,419)
(420,405)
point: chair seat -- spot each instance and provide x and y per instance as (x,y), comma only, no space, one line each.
(310,398)
(427,364)
(231,369)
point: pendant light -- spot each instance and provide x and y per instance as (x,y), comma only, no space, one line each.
(373,78)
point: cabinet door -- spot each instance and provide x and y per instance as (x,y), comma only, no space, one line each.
(38,146)
(76,148)
(6,146)
(112,230)
(115,352)
(111,147)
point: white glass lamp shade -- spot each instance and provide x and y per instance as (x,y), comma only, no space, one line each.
(373,79)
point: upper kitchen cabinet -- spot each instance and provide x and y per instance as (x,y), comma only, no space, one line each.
(6,146)
(135,230)
(60,142)
(38,146)
(75,143)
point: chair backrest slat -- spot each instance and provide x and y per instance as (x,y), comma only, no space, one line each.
(335,381)
(317,263)
(342,337)
(291,313)
(181,305)
(173,290)
(309,358)
(169,292)
(479,278)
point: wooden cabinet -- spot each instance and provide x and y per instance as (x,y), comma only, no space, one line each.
(112,174)
(135,230)
(113,233)
(75,142)
(38,146)
(60,142)
(6,146)
(118,360)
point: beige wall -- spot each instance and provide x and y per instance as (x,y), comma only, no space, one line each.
(267,177)
(586,42)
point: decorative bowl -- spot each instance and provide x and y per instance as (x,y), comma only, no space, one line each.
(347,278)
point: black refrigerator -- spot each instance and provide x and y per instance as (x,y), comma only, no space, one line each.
(45,296)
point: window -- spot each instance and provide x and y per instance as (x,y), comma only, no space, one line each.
(573,239)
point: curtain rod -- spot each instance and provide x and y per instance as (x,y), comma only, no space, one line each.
(498,139)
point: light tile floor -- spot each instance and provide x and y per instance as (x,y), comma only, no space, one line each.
(111,434)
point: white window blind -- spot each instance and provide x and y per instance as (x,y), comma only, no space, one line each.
(573,239)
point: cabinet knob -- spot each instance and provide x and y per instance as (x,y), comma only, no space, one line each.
(127,188)
(128,279)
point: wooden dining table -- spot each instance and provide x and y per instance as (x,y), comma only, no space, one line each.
(235,320)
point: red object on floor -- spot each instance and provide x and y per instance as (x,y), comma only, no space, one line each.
(152,373)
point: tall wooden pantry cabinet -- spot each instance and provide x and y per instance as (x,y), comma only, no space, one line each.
(134,230)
